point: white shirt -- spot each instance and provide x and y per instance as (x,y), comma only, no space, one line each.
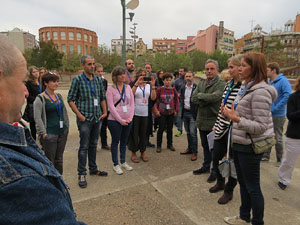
(187,96)
(141,101)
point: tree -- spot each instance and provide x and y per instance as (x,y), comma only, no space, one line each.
(220,57)
(198,59)
(71,62)
(45,55)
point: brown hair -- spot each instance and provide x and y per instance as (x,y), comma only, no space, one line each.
(139,72)
(47,77)
(257,62)
(297,84)
(167,75)
(97,65)
(274,66)
(29,74)
(118,70)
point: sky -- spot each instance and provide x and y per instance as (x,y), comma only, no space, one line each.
(155,18)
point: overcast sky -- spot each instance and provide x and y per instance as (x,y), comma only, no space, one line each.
(155,18)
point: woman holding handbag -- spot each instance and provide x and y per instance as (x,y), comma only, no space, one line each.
(251,117)
(120,102)
(221,129)
(166,108)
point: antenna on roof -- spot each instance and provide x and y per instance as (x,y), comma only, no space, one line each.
(252,21)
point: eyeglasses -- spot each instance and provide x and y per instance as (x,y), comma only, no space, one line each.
(89,64)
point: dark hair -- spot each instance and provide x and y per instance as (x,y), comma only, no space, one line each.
(297,84)
(176,73)
(257,62)
(184,68)
(274,66)
(158,72)
(42,68)
(118,70)
(139,72)
(83,58)
(47,77)
(147,63)
(167,75)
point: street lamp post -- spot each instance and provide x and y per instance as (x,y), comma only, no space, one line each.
(134,36)
(131,5)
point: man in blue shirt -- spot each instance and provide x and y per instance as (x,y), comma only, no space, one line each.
(31,190)
(86,98)
(278,108)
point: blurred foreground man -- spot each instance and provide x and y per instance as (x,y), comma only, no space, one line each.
(31,190)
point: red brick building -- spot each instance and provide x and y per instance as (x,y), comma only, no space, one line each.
(70,39)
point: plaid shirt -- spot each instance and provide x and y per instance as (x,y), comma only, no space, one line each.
(82,96)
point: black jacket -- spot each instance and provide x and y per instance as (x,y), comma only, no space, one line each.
(293,115)
(194,107)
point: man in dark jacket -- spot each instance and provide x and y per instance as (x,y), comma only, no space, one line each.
(208,97)
(189,114)
(31,190)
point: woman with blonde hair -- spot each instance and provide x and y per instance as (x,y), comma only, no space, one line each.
(34,88)
(252,122)
(292,140)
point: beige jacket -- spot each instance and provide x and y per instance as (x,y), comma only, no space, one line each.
(254,111)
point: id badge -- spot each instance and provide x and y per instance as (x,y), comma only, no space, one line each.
(95,102)
(168,106)
(124,108)
(61,124)
(144,101)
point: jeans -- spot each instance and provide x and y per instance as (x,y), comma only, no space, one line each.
(191,130)
(120,134)
(138,138)
(178,122)
(278,123)
(89,134)
(206,152)
(220,150)
(165,121)
(103,132)
(54,147)
(248,174)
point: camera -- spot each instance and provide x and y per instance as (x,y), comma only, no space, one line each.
(147,79)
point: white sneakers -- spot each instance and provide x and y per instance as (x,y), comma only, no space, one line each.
(126,166)
(235,220)
(119,170)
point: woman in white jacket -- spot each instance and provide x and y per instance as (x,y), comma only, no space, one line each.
(251,116)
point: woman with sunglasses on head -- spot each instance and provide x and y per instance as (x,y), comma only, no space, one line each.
(34,88)
(252,122)
(120,101)
(142,92)
(52,121)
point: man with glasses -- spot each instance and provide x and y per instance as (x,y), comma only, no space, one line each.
(129,71)
(86,98)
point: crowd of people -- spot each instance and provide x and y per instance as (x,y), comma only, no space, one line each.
(241,110)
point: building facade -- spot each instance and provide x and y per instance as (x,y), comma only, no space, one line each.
(116,46)
(141,47)
(163,45)
(70,39)
(20,38)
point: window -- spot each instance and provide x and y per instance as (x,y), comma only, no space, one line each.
(85,49)
(71,48)
(79,47)
(78,37)
(63,48)
(43,36)
(55,35)
(71,36)
(62,35)
(91,38)
(85,37)
(48,35)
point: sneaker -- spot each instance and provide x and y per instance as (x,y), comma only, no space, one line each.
(200,171)
(235,220)
(82,181)
(126,166)
(178,133)
(118,169)
(171,148)
(265,159)
(282,186)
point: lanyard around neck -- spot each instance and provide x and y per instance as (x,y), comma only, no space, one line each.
(168,96)
(129,76)
(89,84)
(57,105)
(143,90)
(123,94)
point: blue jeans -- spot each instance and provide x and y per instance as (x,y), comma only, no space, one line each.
(178,121)
(120,134)
(248,175)
(191,130)
(89,134)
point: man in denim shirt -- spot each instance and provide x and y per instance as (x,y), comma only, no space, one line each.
(86,98)
(31,189)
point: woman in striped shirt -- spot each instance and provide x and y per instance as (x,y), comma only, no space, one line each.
(221,128)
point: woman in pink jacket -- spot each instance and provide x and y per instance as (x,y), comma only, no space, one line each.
(120,102)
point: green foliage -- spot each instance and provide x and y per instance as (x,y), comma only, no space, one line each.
(221,58)
(71,62)
(198,60)
(46,55)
